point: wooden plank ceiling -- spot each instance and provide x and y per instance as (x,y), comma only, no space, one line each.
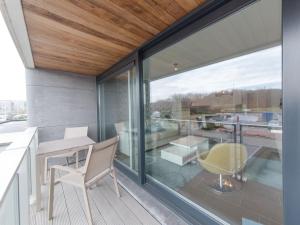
(89,36)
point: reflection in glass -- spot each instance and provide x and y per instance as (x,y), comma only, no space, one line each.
(213,124)
(117,101)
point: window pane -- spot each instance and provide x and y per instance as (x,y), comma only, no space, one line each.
(213,116)
(118,115)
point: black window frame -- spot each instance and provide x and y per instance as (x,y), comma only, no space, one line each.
(205,15)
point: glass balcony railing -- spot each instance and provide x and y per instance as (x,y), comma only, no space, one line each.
(219,131)
(17,172)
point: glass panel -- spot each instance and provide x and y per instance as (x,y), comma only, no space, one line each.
(24,191)
(9,211)
(213,116)
(118,115)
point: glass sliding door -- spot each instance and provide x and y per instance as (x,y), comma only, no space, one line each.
(213,116)
(118,115)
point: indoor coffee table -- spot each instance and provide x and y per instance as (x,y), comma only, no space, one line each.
(191,142)
(185,149)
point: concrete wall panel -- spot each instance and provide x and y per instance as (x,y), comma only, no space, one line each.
(57,100)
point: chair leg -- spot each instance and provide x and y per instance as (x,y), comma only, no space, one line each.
(51,193)
(38,181)
(67,160)
(87,206)
(77,160)
(116,183)
(221,181)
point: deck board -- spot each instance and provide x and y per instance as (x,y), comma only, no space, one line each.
(41,217)
(96,214)
(106,207)
(123,211)
(76,212)
(141,213)
(109,213)
(60,209)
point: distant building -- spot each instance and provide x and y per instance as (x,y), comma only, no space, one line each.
(232,101)
(12,110)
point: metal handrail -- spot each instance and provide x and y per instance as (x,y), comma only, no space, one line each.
(222,122)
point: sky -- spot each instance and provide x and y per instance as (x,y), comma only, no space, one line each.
(12,71)
(257,70)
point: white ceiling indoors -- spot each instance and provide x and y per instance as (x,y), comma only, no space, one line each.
(255,27)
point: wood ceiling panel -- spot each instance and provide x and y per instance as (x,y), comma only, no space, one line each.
(156,11)
(124,16)
(172,7)
(136,9)
(54,29)
(189,5)
(47,62)
(89,36)
(114,19)
(76,54)
(79,24)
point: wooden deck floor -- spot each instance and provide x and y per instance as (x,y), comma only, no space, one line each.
(107,208)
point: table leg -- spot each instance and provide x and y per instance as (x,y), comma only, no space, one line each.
(45,172)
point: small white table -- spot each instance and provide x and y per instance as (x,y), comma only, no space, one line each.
(52,148)
(191,142)
(184,149)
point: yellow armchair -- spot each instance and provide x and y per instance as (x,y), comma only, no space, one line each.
(224,159)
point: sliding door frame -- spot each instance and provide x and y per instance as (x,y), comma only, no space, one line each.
(124,65)
(291,110)
(205,15)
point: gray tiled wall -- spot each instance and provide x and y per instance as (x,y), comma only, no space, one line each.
(56,100)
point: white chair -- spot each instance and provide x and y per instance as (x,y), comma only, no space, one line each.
(73,132)
(70,132)
(99,163)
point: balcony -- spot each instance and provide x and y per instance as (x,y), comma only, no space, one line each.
(202,94)
(17,189)
(106,207)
